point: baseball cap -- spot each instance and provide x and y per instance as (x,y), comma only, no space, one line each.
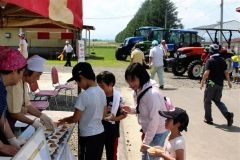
(214,48)
(84,69)
(11,59)
(178,115)
(21,34)
(154,43)
(36,63)
(172,114)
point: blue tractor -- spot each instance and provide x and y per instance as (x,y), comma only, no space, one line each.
(141,34)
(175,38)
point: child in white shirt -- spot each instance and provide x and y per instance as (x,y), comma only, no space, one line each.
(176,122)
(89,111)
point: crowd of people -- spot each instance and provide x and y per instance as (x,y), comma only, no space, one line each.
(99,108)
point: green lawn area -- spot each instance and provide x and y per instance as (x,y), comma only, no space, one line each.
(104,56)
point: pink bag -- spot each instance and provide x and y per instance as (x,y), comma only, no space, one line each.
(168,104)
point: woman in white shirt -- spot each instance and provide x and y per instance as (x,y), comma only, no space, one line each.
(23,45)
(150,103)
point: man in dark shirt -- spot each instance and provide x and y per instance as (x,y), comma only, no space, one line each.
(215,72)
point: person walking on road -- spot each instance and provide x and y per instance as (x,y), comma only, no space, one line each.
(68,50)
(156,62)
(137,56)
(148,102)
(215,71)
(164,47)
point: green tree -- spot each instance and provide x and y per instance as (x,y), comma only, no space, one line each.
(152,13)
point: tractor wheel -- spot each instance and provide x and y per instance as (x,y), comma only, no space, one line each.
(120,56)
(195,69)
(178,69)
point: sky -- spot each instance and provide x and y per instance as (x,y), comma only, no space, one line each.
(109,17)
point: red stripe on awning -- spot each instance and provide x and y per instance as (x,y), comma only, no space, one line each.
(41,7)
(69,35)
(43,35)
(76,7)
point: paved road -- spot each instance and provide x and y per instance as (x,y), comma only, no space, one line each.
(217,142)
(203,142)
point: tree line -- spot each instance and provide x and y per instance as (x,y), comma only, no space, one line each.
(152,13)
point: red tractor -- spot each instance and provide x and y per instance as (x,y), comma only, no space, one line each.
(190,58)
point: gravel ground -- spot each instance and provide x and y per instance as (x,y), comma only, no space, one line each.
(171,82)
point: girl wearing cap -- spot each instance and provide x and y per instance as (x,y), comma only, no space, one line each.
(12,65)
(176,122)
(153,128)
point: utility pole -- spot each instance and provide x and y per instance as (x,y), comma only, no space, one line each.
(221,22)
(165,18)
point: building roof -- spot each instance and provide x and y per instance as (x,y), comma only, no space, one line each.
(235,40)
(233,25)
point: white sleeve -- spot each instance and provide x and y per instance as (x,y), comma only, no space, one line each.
(180,144)
(151,53)
(80,105)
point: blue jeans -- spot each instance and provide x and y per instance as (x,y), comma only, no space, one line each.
(158,140)
(159,70)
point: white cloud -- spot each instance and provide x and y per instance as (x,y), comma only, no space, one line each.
(193,13)
(196,13)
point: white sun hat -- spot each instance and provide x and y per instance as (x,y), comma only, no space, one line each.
(36,63)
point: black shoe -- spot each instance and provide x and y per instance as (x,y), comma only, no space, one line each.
(230,119)
(209,122)
(161,87)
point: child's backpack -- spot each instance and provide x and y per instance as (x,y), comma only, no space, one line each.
(167,101)
(168,104)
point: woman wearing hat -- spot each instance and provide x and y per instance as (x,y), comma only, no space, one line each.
(12,65)
(18,98)
(68,50)
(23,45)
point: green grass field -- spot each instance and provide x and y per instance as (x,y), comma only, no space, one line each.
(104,56)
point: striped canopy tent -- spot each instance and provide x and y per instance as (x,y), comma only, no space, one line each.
(41,14)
